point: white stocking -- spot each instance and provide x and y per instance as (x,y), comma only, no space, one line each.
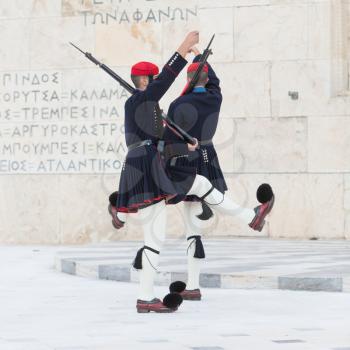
(153,219)
(193,227)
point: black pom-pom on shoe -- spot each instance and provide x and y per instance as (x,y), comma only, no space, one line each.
(113,198)
(172,300)
(177,287)
(264,193)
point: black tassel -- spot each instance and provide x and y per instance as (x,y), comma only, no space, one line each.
(207,213)
(137,264)
(199,248)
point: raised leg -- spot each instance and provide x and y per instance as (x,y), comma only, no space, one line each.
(218,201)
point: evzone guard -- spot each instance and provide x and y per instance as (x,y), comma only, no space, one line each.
(197,112)
(146,183)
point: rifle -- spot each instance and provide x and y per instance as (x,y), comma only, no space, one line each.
(202,61)
(172,126)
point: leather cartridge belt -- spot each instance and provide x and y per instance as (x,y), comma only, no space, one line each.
(140,144)
(174,159)
(205,143)
(150,142)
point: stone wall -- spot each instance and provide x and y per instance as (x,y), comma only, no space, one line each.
(284,67)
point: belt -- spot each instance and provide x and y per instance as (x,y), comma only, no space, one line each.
(140,144)
(205,143)
(174,159)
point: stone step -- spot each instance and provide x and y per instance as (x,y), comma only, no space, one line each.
(230,263)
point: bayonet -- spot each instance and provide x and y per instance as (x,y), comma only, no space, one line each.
(202,61)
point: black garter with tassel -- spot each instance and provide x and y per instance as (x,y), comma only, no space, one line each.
(199,248)
(207,213)
(137,264)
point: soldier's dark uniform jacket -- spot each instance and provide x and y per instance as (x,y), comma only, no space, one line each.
(144,180)
(197,113)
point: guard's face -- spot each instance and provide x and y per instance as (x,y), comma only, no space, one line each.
(144,81)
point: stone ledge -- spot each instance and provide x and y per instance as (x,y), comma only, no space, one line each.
(231,264)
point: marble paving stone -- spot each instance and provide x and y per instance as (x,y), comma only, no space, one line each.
(114,272)
(232,269)
(176,276)
(335,270)
(72,348)
(92,253)
(68,266)
(22,340)
(163,278)
(86,270)
(289,341)
(245,281)
(346,284)
(210,280)
(99,258)
(153,341)
(347,224)
(312,284)
(208,348)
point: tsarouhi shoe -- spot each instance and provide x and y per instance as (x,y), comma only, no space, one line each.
(261,212)
(118,224)
(194,294)
(265,196)
(170,303)
(187,294)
